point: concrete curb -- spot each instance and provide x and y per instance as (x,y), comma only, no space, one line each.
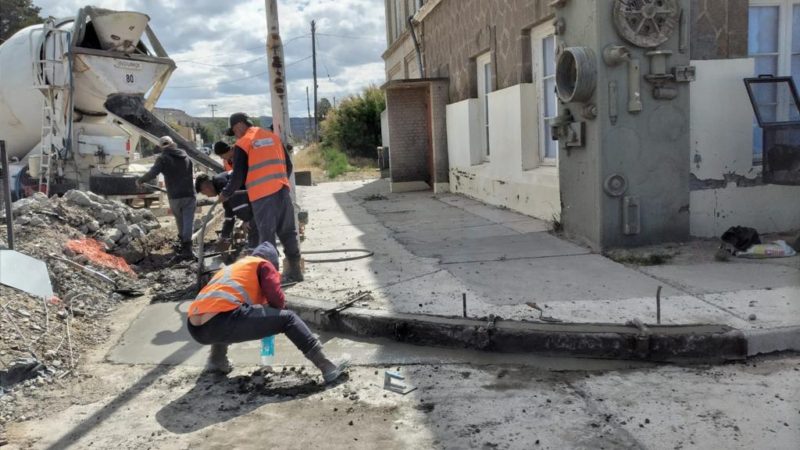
(670,343)
(783,339)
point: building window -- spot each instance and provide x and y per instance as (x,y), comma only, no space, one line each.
(774,43)
(399,18)
(543,45)
(484,67)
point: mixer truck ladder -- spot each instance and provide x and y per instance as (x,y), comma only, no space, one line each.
(51,77)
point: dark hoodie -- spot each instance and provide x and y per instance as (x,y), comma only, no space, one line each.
(176,167)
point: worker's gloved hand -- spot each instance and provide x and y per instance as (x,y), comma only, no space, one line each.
(222,198)
(246,227)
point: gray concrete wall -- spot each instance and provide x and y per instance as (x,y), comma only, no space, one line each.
(650,149)
(719,29)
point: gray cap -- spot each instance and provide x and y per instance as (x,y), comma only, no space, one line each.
(267,251)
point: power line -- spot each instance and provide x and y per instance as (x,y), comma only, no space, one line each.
(205,57)
(260,58)
(221,82)
(238,79)
(344,36)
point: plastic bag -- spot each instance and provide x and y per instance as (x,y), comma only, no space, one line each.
(777,249)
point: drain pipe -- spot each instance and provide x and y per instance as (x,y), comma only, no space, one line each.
(416,46)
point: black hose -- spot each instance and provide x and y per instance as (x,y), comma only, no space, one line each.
(366,254)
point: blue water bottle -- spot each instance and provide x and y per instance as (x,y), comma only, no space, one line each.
(268,351)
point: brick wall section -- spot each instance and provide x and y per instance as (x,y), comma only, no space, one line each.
(409,134)
(719,29)
(459,30)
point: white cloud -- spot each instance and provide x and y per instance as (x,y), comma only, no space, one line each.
(210,39)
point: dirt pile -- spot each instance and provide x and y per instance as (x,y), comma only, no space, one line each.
(42,340)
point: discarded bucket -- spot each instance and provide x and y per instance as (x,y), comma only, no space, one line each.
(97,255)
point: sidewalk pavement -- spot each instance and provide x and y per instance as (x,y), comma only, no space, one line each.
(432,249)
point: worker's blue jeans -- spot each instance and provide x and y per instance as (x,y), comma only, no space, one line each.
(254,322)
(274,215)
(183,211)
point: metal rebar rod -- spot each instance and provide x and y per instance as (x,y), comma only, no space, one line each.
(464,301)
(658,305)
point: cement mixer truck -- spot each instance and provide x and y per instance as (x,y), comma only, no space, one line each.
(75,100)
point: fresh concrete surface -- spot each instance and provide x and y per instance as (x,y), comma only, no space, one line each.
(736,275)
(159,336)
(431,249)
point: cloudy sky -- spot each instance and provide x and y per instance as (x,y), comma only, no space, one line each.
(215,43)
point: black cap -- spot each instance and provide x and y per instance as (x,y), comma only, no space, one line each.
(221,147)
(235,119)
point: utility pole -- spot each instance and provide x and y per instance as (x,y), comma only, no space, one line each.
(277,74)
(308,104)
(316,86)
(213,110)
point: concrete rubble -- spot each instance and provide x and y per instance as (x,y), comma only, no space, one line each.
(53,334)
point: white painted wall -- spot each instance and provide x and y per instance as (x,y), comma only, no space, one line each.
(513,131)
(385,128)
(722,137)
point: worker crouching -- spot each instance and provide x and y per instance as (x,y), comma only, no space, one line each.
(244,302)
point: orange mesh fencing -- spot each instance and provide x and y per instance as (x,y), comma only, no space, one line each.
(96,253)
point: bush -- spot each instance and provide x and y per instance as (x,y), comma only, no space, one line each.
(355,124)
(335,162)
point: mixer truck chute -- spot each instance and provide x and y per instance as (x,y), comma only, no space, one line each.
(55,81)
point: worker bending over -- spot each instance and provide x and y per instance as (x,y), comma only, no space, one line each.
(261,163)
(177,169)
(244,302)
(237,206)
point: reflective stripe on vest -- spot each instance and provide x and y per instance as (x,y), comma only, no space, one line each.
(230,288)
(266,163)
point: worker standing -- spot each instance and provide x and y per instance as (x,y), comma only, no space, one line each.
(244,302)
(261,162)
(177,169)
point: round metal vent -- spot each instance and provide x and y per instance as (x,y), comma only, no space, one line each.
(576,74)
(646,23)
(616,185)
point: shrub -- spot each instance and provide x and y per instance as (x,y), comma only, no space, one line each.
(335,162)
(355,124)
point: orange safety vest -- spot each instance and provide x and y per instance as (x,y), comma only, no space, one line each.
(227,165)
(266,171)
(230,288)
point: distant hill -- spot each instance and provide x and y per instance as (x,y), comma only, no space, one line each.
(301,126)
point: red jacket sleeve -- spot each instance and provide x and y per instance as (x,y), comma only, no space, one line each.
(270,281)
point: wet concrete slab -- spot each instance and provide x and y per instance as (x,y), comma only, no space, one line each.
(709,278)
(492,248)
(557,279)
(159,336)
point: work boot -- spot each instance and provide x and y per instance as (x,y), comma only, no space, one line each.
(331,371)
(218,361)
(186,252)
(796,245)
(292,271)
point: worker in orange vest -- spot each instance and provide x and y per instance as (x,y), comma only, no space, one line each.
(244,302)
(225,152)
(261,163)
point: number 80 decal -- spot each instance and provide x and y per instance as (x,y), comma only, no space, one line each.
(129,78)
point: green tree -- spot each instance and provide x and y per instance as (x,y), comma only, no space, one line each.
(355,125)
(16,15)
(323,108)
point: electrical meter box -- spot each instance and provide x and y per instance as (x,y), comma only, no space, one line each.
(622,75)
